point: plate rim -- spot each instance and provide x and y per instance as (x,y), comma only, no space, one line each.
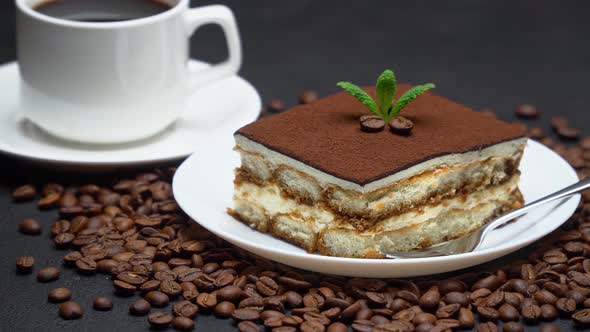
(496,252)
(8,151)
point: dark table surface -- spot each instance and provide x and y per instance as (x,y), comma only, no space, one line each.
(483,53)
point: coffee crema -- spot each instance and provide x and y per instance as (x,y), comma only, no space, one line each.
(101,10)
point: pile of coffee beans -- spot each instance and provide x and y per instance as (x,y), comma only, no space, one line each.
(134,231)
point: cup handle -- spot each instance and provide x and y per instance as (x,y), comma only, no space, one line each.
(223,16)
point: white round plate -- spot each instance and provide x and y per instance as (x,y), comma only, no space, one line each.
(216,109)
(203,187)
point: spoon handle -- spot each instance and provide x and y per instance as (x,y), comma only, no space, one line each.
(563,193)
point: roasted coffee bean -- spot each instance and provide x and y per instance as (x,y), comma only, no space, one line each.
(337,327)
(140,307)
(372,125)
(527,111)
(183,323)
(102,304)
(430,299)
(24,193)
(273,322)
(448,311)
(170,288)
(160,320)
(229,293)
(544,296)
(206,301)
(512,327)
(508,313)
(292,283)
(401,125)
(276,106)
(267,286)
(456,297)
(247,326)
(466,318)
(50,200)
(294,299)
(245,314)
(30,227)
(123,288)
(318,317)
(58,295)
(292,320)
(63,240)
(60,226)
(86,265)
(185,309)
(491,283)
(548,312)
(566,306)
(487,327)
(48,274)
(224,309)
(362,326)
(488,313)
(550,328)
(582,317)
(308,96)
(133,278)
(530,312)
(70,310)
(25,264)
(448,323)
(157,299)
(106,265)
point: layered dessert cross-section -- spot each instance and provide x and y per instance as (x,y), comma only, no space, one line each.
(310,176)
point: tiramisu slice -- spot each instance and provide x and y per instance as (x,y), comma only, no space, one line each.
(312,177)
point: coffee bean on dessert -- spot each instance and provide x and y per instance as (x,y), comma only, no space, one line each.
(308,96)
(527,111)
(102,304)
(183,323)
(140,307)
(247,326)
(25,264)
(48,274)
(157,299)
(30,227)
(372,125)
(70,310)
(401,125)
(24,193)
(159,319)
(58,295)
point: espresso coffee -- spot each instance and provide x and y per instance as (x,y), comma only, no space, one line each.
(102,10)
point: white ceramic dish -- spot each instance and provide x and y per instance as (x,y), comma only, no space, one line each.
(215,110)
(203,187)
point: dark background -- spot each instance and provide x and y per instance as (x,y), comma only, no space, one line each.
(483,53)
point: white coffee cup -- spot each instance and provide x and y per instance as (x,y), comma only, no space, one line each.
(119,81)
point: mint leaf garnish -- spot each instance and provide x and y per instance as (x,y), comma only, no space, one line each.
(386,86)
(407,97)
(362,96)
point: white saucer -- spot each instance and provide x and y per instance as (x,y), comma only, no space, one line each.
(216,110)
(203,187)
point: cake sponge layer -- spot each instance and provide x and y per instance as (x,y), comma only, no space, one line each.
(317,228)
(426,183)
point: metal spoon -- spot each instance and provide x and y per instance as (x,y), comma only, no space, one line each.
(474,240)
